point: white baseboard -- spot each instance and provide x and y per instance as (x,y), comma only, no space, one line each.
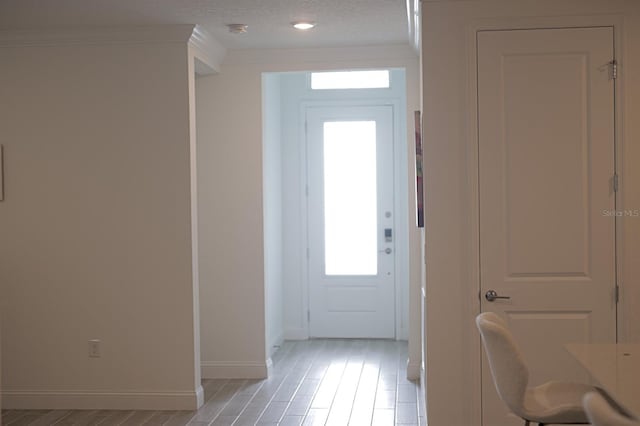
(291,333)
(234,370)
(402,333)
(101,400)
(413,370)
(423,395)
(275,344)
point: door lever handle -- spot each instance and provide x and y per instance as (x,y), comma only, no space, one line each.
(492,295)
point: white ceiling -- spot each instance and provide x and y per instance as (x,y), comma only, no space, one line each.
(340,22)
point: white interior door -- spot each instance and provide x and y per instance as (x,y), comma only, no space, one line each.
(546,167)
(350,221)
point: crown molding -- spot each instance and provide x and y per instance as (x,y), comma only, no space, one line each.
(323,58)
(98,35)
(209,53)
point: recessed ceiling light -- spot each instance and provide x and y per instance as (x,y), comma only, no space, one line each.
(303,25)
(237,28)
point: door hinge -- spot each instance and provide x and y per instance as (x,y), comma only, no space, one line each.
(616,182)
(308,315)
(617,294)
(613,69)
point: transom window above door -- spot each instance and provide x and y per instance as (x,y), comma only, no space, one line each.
(369,79)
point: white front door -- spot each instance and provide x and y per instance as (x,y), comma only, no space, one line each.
(350,221)
(546,167)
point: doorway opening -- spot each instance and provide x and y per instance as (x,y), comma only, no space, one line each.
(336,206)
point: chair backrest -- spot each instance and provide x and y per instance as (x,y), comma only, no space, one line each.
(603,413)
(493,317)
(508,368)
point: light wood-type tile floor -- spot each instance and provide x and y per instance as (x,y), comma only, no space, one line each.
(315,382)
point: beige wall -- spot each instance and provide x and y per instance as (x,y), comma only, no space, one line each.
(448,60)
(96,226)
(231,225)
(230,189)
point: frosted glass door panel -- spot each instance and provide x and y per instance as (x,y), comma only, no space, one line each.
(350,199)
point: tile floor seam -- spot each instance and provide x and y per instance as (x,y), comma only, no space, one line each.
(249,402)
(336,394)
(315,357)
(274,394)
(227,403)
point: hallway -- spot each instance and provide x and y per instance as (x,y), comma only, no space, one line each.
(315,382)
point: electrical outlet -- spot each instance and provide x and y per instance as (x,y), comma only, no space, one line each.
(94,348)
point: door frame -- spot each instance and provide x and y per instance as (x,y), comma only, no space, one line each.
(400,203)
(473,301)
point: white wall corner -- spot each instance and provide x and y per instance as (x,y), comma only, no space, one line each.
(199,397)
(97,35)
(269,363)
(422,400)
(209,53)
(235,370)
(413,24)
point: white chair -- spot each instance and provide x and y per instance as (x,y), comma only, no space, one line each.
(603,411)
(549,403)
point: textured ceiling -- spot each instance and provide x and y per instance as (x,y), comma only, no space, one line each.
(340,22)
